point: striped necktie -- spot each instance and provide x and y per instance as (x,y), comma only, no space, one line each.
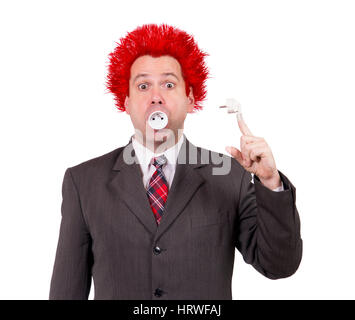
(158,188)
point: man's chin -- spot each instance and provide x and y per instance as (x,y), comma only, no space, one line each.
(163,137)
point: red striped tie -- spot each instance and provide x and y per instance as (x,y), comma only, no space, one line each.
(158,188)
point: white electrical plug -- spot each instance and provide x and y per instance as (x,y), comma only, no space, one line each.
(233,106)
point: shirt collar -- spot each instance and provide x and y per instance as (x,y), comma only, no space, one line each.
(145,155)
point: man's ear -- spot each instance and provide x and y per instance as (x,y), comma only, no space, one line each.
(191,101)
(126,104)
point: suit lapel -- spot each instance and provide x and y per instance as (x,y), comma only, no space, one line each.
(127,183)
(185,183)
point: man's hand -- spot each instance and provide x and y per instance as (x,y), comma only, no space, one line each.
(256,157)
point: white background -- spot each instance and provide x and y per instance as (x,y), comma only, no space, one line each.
(291,65)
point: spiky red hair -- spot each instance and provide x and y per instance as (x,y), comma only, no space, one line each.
(157,41)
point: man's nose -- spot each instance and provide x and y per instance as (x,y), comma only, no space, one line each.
(157,99)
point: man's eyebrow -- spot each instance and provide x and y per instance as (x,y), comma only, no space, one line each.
(139,75)
(170,74)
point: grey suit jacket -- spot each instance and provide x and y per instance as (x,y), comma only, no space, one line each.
(108,231)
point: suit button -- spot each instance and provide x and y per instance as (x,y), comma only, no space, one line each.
(157,250)
(158,292)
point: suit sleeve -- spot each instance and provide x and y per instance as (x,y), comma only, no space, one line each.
(71,278)
(268,228)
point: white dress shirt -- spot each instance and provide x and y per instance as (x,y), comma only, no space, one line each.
(145,157)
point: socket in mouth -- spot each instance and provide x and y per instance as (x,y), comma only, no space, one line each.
(158,120)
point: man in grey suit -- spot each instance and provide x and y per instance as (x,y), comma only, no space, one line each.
(160,218)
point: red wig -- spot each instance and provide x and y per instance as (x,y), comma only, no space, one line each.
(157,41)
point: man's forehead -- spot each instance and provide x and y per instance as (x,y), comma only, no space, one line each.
(146,66)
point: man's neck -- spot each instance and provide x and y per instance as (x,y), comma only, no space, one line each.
(159,146)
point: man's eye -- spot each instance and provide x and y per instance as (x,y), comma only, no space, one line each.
(170,85)
(143,86)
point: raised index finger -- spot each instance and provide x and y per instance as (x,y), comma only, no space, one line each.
(243,127)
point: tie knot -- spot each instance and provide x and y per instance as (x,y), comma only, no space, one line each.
(158,162)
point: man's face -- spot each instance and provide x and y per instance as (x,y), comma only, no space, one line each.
(157,83)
